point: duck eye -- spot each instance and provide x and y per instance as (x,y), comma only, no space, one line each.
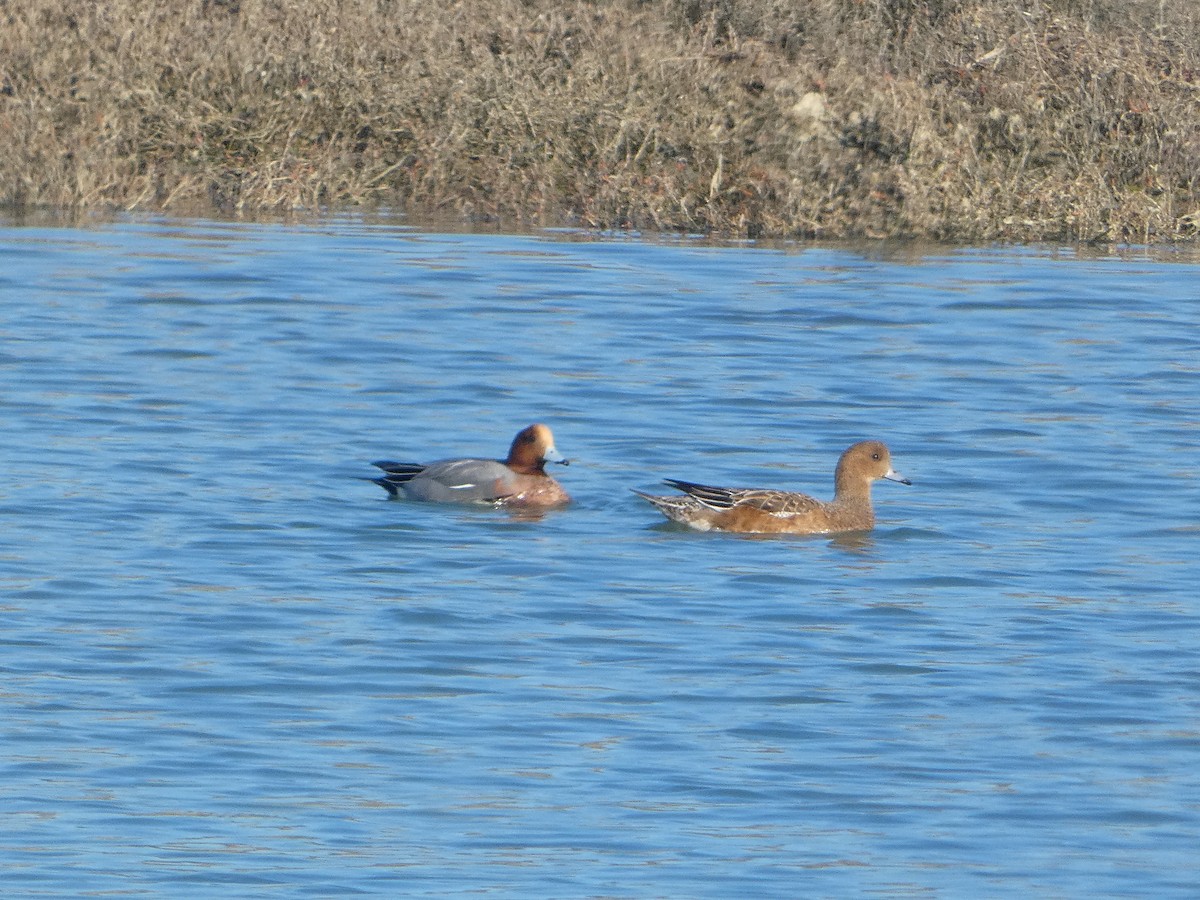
(875,456)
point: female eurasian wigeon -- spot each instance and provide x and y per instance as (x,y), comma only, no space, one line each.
(520,481)
(753,511)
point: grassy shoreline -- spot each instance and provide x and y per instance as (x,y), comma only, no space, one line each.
(969,121)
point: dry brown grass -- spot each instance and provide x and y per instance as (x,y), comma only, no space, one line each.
(961,121)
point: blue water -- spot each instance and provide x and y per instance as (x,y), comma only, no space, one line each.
(231,666)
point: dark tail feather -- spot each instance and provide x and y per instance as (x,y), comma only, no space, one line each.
(715,497)
(397,474)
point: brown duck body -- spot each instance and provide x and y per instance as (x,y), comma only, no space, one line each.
(766,511)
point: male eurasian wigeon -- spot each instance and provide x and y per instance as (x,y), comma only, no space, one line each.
(754,511)
(520,481)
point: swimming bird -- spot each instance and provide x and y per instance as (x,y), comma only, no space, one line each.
(761,511)
(518,481)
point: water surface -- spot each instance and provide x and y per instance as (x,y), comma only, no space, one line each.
(231,666)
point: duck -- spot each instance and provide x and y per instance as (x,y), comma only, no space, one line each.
(766,511)
(519,481)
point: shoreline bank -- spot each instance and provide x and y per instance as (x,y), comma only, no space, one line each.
(973,121)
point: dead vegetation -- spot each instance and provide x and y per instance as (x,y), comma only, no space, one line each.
(963,120)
